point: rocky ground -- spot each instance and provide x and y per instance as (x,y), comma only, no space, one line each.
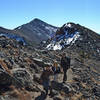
(21,67)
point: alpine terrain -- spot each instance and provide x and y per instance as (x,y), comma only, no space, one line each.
(21,64)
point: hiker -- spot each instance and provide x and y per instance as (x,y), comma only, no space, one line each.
(45,78)
(56,70)
(65,65)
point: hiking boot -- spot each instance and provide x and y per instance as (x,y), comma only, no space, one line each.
(63,82)
(51,94)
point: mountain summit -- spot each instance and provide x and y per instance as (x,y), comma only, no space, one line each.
(33,32)
(36,31)
(72,34)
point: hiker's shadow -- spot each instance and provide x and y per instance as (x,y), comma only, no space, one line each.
(42,96)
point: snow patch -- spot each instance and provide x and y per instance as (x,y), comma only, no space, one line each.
(63,40)
(19,27)
(12,36)
(68,25)
(50,28)
(57,47)
(98,50)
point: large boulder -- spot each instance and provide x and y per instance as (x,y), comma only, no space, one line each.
(60,87)
(5,81)
(23,77)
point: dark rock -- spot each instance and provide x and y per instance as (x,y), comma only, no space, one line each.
(57,98)
(23,77)
(37,79)
(59,87)
(41,97)
(5,81)
(96,91)
(34,67)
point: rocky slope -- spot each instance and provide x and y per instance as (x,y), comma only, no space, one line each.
(21,67)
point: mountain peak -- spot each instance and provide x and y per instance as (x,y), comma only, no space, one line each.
(36,20)
(36,31)
(73,34)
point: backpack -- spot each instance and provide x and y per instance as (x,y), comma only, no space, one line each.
(65,62)
(45,75)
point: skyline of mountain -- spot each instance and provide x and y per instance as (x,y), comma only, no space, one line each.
(9,29)
(33,32)
(89,27)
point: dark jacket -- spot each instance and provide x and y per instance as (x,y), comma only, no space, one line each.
(65,63)
(45,75)
(56,70)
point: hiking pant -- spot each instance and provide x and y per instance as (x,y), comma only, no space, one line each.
(65,75)
(56,77)
(46,86)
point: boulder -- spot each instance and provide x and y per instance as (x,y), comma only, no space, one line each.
(24,78)
(5,81)
(60,87)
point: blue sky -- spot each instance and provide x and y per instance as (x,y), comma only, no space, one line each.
(14,13)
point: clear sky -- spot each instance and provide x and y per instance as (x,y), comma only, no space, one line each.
(14,13)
